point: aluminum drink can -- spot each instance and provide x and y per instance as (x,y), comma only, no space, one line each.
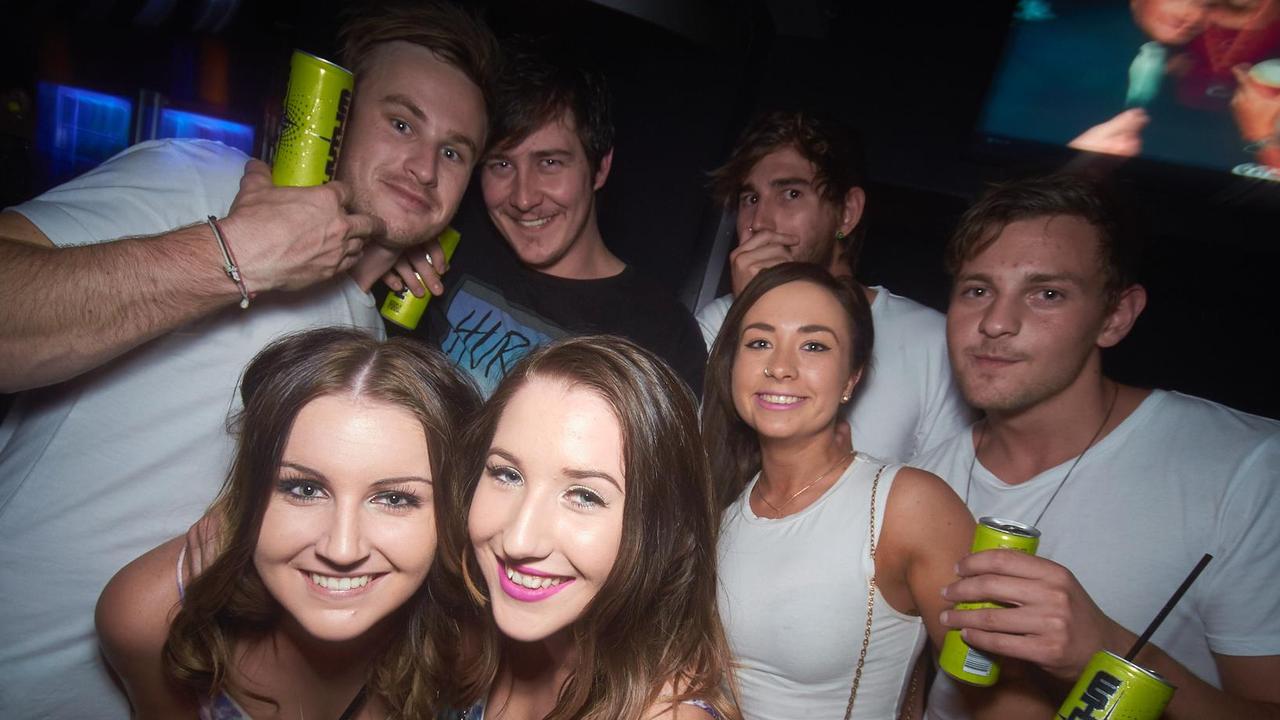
(404,308)
(1114,688)
(315,113)
(960,661)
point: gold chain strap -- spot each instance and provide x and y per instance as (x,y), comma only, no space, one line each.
(871,600)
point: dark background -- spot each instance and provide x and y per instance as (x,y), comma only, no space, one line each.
(685,76)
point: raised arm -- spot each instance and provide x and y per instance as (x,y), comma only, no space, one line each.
(70,309)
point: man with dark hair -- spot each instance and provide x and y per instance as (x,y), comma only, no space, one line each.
(1128,486)
(795,180)
(552,149)
(121,442)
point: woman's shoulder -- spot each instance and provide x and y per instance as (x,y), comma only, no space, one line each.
(137,605)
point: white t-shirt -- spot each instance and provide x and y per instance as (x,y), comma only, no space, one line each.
(907,401)
(99,469)
(793,598)
(1181,476)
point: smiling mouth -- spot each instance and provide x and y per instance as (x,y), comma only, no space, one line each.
(415,198)
(527,586)
(779,400)
(535,223)
(341,585)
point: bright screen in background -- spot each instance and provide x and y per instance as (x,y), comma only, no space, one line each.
(78,129)
(1156,78)
(182,124)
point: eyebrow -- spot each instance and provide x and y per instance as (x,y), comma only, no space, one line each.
(574,473)
(1033,278)
(783,182)
(766,327)
(412,108)
(398,480)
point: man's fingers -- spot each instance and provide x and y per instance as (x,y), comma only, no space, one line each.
(996,588)
(365,226)
(1006,562)
(411,278)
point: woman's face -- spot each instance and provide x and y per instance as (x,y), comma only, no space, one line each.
(349,532)
(546,518)
(797,333)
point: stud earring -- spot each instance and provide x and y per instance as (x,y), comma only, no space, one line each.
(839,234)
(844,399)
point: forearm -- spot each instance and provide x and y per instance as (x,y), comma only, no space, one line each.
(1196,699)
(68,310)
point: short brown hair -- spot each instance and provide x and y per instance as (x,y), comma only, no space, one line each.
(455,35)
(834,149)
(1119,247)
(540,84)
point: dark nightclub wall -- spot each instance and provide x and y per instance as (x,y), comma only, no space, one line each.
(685,76)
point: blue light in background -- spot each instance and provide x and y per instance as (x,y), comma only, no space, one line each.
(183,124)
(77,129)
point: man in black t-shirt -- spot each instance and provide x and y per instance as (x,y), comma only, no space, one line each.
(551,149)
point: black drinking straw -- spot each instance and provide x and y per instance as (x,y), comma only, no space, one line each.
(1177,595)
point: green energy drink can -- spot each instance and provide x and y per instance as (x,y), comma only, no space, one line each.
(958,659)
(1114,688)
(404,308)
(315,113)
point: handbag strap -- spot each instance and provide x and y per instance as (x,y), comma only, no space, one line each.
(871,600)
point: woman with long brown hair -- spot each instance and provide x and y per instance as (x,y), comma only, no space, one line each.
(323,589)
(831,562)
(590,544)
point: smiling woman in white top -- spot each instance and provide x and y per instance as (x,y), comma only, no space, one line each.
(590,545)
(319,597)
(831,562)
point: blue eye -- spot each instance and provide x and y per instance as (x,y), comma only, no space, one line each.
(398,499)
(299,490)
(504,475)
(400,126)
(814,346)
(584,497)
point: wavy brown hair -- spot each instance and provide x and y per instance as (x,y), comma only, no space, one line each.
(732,444)
(228,602)
(654,622)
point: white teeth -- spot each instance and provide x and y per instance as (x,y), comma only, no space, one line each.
(533,582)
(780,399)
(535,223)
(340,583)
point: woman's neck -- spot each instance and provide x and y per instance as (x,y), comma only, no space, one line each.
(787,465)
(530,677)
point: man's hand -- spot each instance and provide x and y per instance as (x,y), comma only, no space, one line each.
(763,249)
(1053,622)
(1121,135)
(287,238)
(1257,112)
(419,268)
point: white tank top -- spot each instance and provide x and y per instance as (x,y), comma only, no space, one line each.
(793,597)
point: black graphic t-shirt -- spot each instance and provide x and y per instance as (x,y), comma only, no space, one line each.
(495,311)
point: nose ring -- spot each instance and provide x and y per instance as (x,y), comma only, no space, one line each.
(767,373)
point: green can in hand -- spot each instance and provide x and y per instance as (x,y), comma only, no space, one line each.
(404,308)
(957,659)
(1114,688)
